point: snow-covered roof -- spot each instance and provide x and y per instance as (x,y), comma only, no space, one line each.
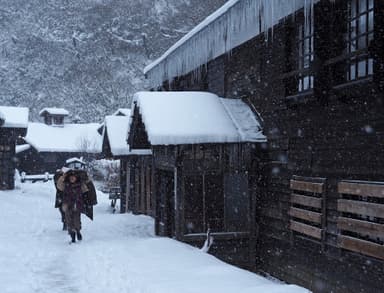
(54,111)
(194,117)
(236,22)
(69,138)
(14,117)
(116,128)
(75,160)
(122,112)
(22,147)
(244,118)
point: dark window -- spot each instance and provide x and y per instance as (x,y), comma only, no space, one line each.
(305,48)
(360,34)
(58,120)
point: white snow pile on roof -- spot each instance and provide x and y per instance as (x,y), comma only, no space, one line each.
(14,117)
(75,160)
(122,112)
(116,128)
(70,138)
(54,111)
(188,118)
(246,121)
(236,22)
(22,147)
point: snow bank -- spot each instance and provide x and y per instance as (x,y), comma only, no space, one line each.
(119,253)
(234,23)
(14,117)
(69,138)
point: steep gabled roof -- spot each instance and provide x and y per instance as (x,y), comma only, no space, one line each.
(172,118)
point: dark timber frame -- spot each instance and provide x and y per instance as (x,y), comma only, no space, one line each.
(198,188)
(333,133)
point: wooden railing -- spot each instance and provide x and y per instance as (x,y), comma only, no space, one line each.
(361,217)
(307,210)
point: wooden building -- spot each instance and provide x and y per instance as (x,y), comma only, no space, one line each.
(13,123)
(204,150)
(54,116)
(132,162)
(47,146)
(315,72)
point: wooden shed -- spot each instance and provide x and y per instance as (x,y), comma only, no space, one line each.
(13,123)
(115,146)
(315,71)
(206,156)
(47,146)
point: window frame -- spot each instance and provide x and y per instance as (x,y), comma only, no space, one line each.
(358,38)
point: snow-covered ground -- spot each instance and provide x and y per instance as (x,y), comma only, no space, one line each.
(119,253)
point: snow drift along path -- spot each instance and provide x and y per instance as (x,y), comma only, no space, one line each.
(119,253)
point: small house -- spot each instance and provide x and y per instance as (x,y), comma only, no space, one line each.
(47,146)
(115,146)
(54,116)
(206,153)
(13,123)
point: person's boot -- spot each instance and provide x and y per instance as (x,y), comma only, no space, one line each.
(73,236)
(79,236)
(64,226)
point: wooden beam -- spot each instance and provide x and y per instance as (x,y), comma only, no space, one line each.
(361,227)
(362,246)
(305,215)
(306,229)
(308,201)
(362,189)
(360,208)
(307,186)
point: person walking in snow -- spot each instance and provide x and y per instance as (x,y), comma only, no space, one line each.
(59,197)
(79,196)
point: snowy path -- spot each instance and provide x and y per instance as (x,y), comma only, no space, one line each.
(119,253)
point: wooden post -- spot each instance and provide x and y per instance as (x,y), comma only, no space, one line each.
(179,205)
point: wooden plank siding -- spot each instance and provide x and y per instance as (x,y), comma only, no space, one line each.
(320,133)
(361,208)
(362,246)
(362,189)
(306,209)
(360,216)
(304,200)
(306,229)
(361,227)
(307,186)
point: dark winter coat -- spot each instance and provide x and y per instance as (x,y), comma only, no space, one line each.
(59,193)
(73,196)
(88,191)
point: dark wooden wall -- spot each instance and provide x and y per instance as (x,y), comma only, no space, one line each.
(33,162)
(8,138)
(334,131)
